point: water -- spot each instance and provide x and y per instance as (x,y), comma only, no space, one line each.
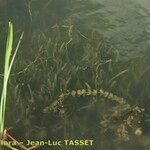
(124,24)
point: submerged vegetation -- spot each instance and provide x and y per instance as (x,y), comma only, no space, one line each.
(122,118)
(69,83)
(47,91)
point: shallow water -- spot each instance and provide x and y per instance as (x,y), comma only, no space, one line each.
(124,24)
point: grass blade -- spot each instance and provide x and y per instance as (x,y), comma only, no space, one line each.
(5,80)
(7,69)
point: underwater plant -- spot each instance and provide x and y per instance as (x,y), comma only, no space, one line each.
(122,119)
(65,88)
(57,105)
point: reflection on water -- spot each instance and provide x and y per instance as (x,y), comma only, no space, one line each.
(125,23)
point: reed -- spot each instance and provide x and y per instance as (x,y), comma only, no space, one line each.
(6,76)
(7,69)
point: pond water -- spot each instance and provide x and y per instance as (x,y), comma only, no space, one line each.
(37,80)
(124,23)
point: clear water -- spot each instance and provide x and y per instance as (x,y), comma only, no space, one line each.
(123,23)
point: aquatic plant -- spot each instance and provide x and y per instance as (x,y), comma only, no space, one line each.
(7,69)
(124,121)
(52,72)
(122,118)
(58,104)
